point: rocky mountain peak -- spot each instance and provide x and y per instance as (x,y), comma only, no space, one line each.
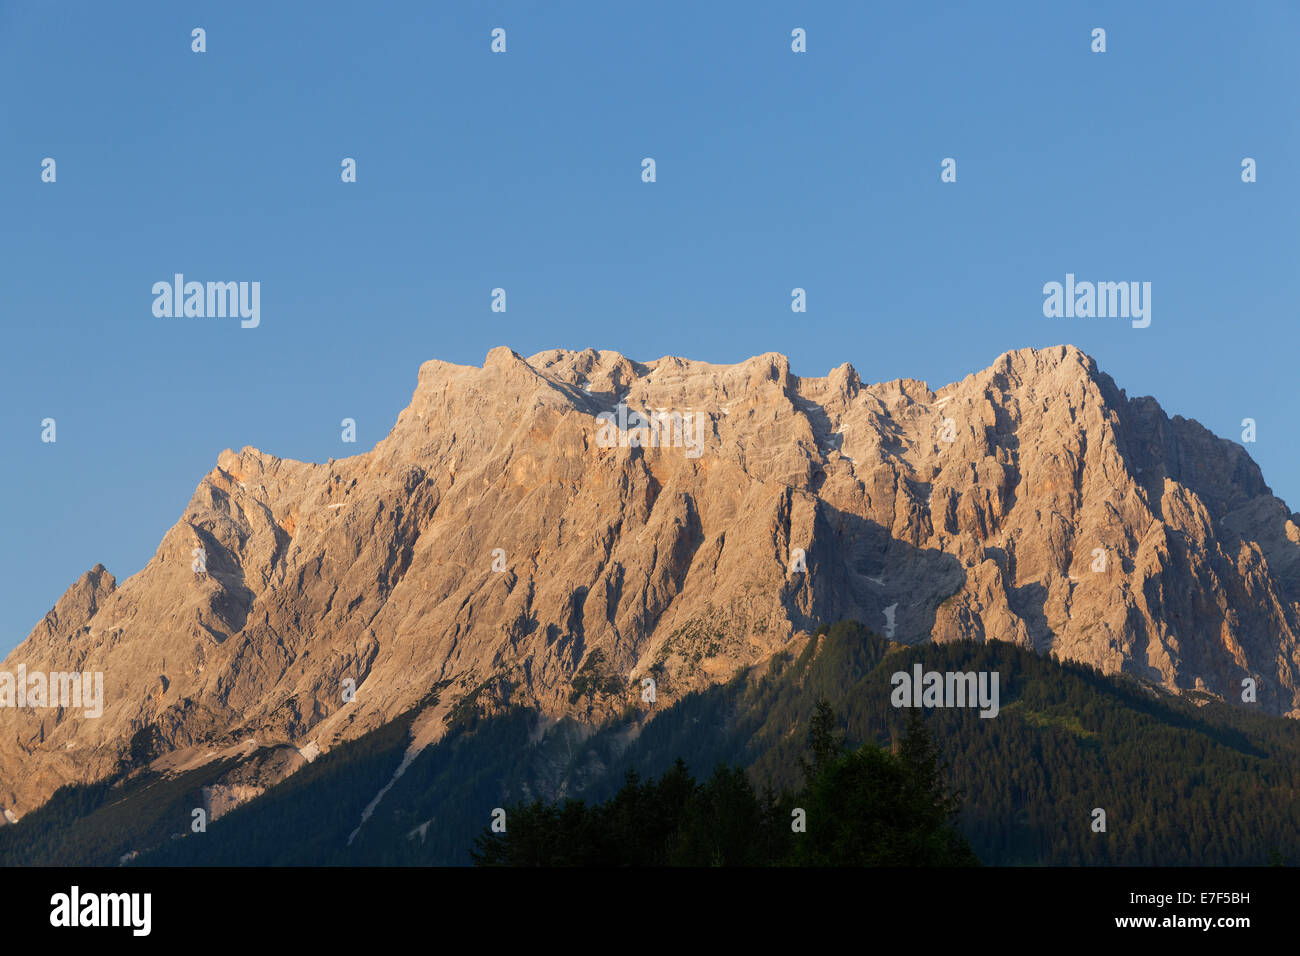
(513,541)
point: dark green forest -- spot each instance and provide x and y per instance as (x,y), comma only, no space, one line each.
(857,807)
(1181,781)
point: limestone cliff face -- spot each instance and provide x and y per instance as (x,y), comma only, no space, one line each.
(494,545)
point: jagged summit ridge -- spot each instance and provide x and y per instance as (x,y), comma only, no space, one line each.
(493,546)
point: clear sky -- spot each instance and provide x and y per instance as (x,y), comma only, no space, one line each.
(522,170)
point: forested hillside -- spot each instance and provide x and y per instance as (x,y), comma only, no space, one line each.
(1179,783)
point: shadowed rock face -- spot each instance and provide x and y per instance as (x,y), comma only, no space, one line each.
(1031,502)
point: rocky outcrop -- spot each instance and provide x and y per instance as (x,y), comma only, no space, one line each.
(505,543)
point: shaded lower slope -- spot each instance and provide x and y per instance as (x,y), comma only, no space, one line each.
(1180,784)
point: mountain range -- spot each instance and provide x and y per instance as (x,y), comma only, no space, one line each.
(497,550)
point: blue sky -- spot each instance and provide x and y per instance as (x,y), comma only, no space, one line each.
(523,171)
